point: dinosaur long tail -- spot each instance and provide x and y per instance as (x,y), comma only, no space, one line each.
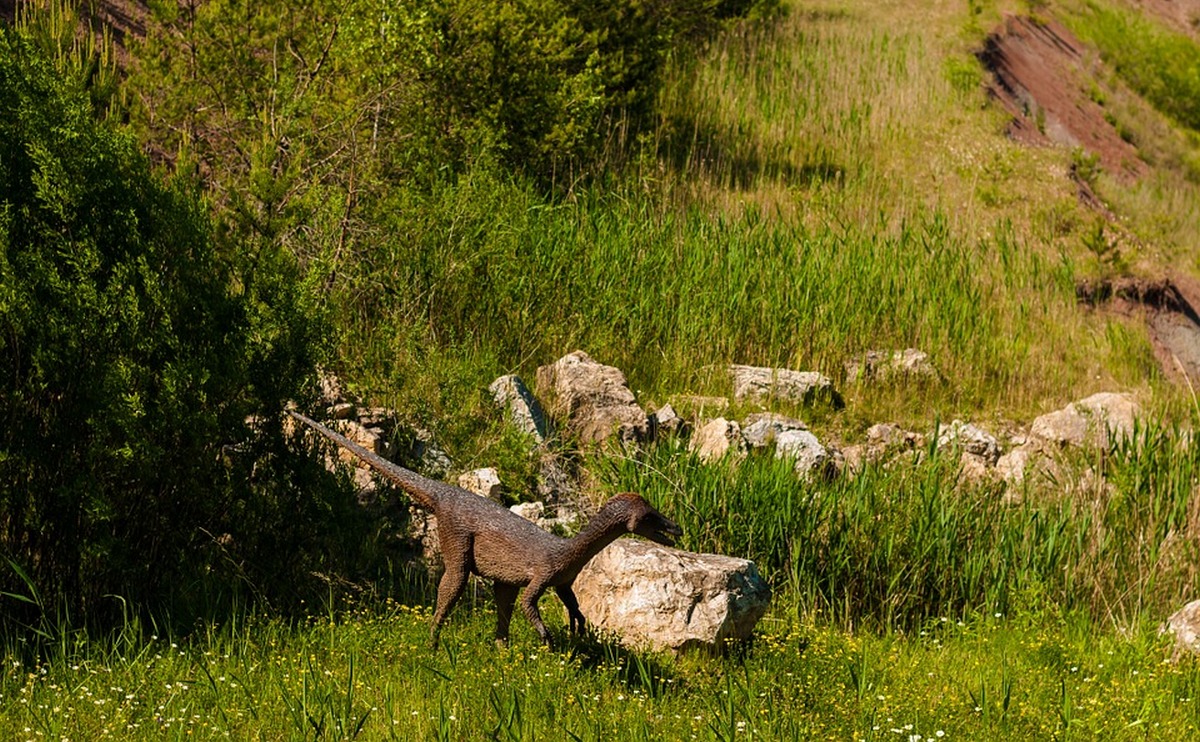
(422,490)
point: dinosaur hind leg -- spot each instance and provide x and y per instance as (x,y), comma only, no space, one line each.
(451,586)
(506,597)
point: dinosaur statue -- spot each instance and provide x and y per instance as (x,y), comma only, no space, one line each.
(483,537)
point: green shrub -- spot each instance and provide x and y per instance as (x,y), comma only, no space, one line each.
(131,354)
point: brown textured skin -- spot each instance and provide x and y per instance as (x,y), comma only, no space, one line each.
(480,536)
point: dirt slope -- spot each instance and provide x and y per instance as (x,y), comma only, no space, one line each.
(1040,77)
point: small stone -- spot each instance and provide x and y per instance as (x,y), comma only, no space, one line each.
(665,421)
(530,511)
(971,439)
(811,458)
(763,428)
(716,438)
(483,482)
(343,411)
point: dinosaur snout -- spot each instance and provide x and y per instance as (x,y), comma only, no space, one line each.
(663,531)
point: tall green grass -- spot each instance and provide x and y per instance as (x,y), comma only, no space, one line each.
(1163,65)
(486,277)
(898,545)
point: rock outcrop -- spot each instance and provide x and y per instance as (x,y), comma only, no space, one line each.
(521,406)
(760,384)
(655,597)
(591,400)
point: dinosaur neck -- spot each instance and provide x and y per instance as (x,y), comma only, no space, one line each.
(600,531)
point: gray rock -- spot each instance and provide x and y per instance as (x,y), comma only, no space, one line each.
(716,438)
(522,407)
(1094,422)
(763,428)
(890,435)
(592,400)
(665,421)
(758,383)
(881,366)
(651,596)
(811,458)
(970,439)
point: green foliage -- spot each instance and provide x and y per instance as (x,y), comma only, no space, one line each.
(131,354)
(1162,65)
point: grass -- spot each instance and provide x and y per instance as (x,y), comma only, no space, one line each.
(369,675)
(899,545)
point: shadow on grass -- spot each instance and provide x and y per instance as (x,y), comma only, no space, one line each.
(635,670)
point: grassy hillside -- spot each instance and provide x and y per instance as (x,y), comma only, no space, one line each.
(791,188)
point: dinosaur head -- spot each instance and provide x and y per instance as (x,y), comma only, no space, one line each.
(645,521)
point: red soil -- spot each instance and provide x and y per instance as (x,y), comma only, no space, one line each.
(1039,76)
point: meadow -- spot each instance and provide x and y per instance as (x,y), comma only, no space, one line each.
(813,184)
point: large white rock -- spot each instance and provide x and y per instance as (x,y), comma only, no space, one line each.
(651,596)
(591,399)
(523,409)
(1185,625)
(1094,421)
(758,383)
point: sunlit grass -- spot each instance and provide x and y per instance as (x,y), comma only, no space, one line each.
(369,675)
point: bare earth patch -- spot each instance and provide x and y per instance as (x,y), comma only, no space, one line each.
(1169,308)
(1039,76)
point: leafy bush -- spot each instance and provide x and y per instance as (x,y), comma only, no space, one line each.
(131,354)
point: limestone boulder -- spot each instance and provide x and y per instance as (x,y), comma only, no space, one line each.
(716,438)
(520,405)
(809,456)
(1095,421)
(1184,624)
(759,383)
(592,400)
(876,365)
(651,596)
